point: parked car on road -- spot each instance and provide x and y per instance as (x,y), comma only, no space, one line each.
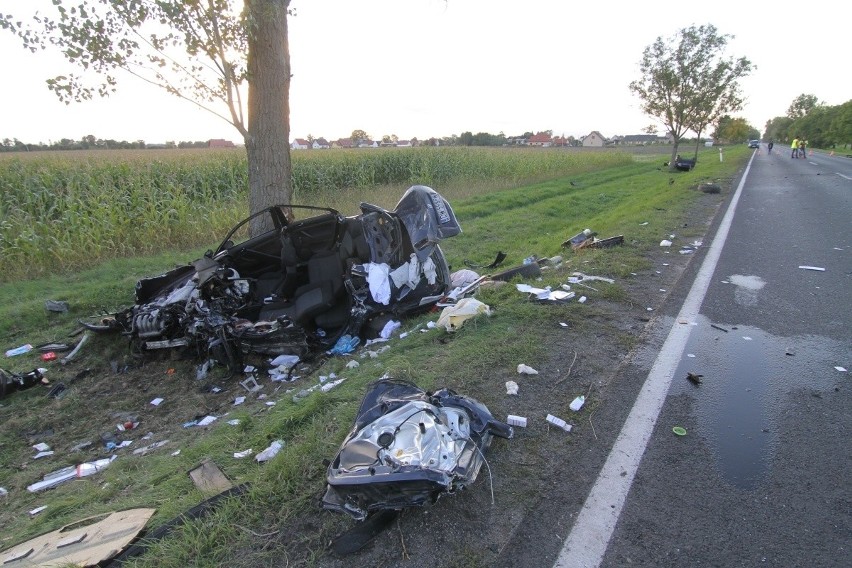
(754,143)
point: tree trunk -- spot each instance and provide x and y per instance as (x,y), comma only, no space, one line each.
(268,138)
(673,159)
(697,144)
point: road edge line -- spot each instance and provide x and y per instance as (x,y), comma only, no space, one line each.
(589,537)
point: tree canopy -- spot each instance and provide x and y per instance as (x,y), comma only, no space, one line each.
(203,51)
(686,82)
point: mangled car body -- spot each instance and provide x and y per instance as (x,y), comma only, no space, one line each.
(407,448)
(300,285)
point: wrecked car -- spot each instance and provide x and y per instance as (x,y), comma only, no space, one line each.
(300,285)
(407,448)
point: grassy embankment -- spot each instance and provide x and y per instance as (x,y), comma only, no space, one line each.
(610,197)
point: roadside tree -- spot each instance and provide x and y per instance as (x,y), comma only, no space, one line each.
(686,82)
(204,51)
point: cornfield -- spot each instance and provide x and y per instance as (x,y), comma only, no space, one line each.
(68,210)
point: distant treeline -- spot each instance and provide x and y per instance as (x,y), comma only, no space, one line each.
(92,143)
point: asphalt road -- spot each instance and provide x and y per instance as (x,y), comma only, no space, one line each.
(761,477)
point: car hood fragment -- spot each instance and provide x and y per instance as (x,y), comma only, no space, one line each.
(407,448)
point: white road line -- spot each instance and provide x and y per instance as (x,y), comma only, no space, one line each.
(590,535)
(844,177)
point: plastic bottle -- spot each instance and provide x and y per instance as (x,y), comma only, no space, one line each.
(577,403)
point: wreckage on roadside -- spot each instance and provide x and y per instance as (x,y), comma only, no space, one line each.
(407,448)
(299,286)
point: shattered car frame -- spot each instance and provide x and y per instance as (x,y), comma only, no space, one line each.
(299,286)
(407,448)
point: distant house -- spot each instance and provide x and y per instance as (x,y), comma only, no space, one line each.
(404,144)
(594,139)
(220,143)
(368,144)
(561,141)
(320,144)
(300,144)
(342,143)
(542,139)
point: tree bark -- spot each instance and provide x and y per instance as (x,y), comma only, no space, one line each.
(268,138)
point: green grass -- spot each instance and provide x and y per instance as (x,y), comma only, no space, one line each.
(279,516)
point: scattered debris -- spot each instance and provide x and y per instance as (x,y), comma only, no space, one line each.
(156,402)
(243,454)
(841,369)
(816,268)
(577,403)
(587,239)
(70,357)
(513,420)
(56,306)
(19,350)
(524,369)
(665,243)
(498,260)
(511,387)
(270,452)
(558,422)
(407,448)
(209,479)
(679,430)
(452,317)
(545,294)
(68,473)
(579,278)
(714,326)
(82,543)
(11,382)
(695,378)
(149,448)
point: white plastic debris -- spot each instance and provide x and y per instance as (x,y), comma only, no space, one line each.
(841,369)
(270,452)
(511,387)
(389,328)
(817,268)
(206,421)
(328,386)
(582,299)
(234,422)
(352,364)
(526,370)
(36,511)
(577,403)
(665,243)
(513,420)
(239,400)
(157,402)
(41,447)
(558,422)
(243,454)
(286,360)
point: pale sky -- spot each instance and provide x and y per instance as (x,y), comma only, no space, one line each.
(424,68)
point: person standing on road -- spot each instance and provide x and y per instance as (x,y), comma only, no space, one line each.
(795,148)
(770,145)
(802,148)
